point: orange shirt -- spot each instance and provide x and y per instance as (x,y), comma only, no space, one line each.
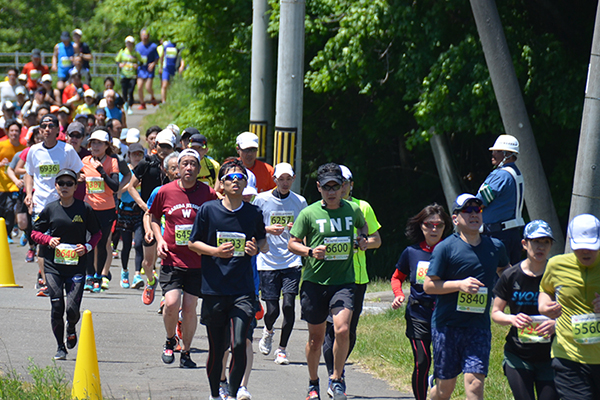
(264,176)
(34,74)
(97,193)
(7,151)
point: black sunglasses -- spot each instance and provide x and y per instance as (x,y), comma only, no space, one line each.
(75,136)
(46,126)
(65,183)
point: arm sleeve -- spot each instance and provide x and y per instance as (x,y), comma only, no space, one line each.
(112,180)
(397,280)
(140,169)
(40,238)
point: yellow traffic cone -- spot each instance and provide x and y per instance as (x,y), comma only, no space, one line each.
(86,379)
(7,276)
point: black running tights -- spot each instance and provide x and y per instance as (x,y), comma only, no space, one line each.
(73,286)
(522,383)
(289,315)
(421,349)
(128,237)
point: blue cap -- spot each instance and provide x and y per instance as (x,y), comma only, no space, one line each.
(537,229)
(462,200)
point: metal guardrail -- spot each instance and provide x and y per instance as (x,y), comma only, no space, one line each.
(102,64)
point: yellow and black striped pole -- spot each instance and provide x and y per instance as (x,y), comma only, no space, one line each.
(259,128)
(284,149)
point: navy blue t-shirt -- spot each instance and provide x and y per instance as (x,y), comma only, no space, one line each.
(410,260)
(455,259)
(227,276)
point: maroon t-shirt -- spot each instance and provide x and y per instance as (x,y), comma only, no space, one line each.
(179,206)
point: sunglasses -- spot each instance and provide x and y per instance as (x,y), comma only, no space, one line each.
(234,175)
(432,225)
(47,126)
(65,183)
(333,188)
(75,136)
(470,209)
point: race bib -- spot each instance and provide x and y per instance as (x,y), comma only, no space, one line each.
(66,254)
(35,74)
(472,303)
(238,240)
(586,328)
(49,170)
(281,217)
(94,184)
(529,334)
(337,248)
(171,52)
(182,234)
(422,267)
(65,62)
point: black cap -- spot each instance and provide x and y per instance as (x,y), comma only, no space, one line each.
(65,36)
(100,110)
(189,132)
(198,139)
(36,53)
(66,172)
(330,172)
(52,117)
(135,147)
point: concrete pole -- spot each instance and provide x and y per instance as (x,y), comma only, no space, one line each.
(261,84)
(514,116)
(446,171)
(585,198)
(290,87)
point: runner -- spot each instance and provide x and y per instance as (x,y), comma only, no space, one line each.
(89,106)
(83,51)
(328,285)
(426,230)
(129,60)
(279,269)
(53,96)
(145,70)
(247,148)
(101,173)
(169,60)
(74,92)
(9,192)
(149,174)
(570,294)
(527,363)
(227,233)
(44,161)
(209,167)
(360,273)
(151,134)
(114,111)
(178,202)
(62,59)
(35,70)
(65,222)
(461,271)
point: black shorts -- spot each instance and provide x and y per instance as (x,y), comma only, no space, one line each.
(576,381)
(317,301)
(275,282)
(217,310)
(417,329)
(187,279)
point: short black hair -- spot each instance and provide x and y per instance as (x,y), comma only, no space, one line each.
(109,78)
(12,69)
(232,164)
(12,122)
(153,129)
(42,107)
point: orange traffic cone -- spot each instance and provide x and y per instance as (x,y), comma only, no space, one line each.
(86,379)
(7,276)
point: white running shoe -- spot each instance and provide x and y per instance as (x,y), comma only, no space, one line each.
(281,357)
(243,394)
(266,342)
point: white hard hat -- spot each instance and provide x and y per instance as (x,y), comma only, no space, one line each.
(506,143)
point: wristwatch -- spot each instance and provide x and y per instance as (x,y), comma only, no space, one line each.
(88,247)
(310,253)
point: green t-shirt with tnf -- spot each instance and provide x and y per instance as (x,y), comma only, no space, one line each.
(335,229)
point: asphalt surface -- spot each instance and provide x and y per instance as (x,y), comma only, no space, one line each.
(130,336)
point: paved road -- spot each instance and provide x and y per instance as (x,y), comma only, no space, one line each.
(129,339)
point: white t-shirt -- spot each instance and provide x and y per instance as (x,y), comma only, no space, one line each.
(43,165)
(276,210)
(7,92)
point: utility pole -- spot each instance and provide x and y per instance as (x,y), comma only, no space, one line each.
(261,85)
(446,171)
(290,87)
(514,115)
(585,198)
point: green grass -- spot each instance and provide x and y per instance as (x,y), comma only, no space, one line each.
(179,95)
(379,285)
(383,349)
(47,383)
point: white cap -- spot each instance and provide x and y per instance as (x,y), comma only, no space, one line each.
(247,140)
(22,77)
(129,39)
(188,152)
(102,103)
(100,135)
(20,90)
(283,168)
(346,173)
(584,232)
(174,128)
(89,93)
(77,32)
(116,142)
(133,135)
(462,200)
(46,78)
(249,191)
(166,137)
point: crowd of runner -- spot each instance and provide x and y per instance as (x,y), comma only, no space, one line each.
(78,183)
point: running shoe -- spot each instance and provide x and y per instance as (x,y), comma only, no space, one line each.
(40,282)
(61,353)
(243,394)
(142,106)
(431,381)
(281,357)
(71,339)
(338,388)
(96,288)
(30,257)
(104,284)
(138,282)
(266,342)
(167,356)
(115,253)
(23,239)
(125,279)
(223,390)
(313,392)
(148,294)
(89,283)
(43,291)
(129,111)
(186,360)
(10,241)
